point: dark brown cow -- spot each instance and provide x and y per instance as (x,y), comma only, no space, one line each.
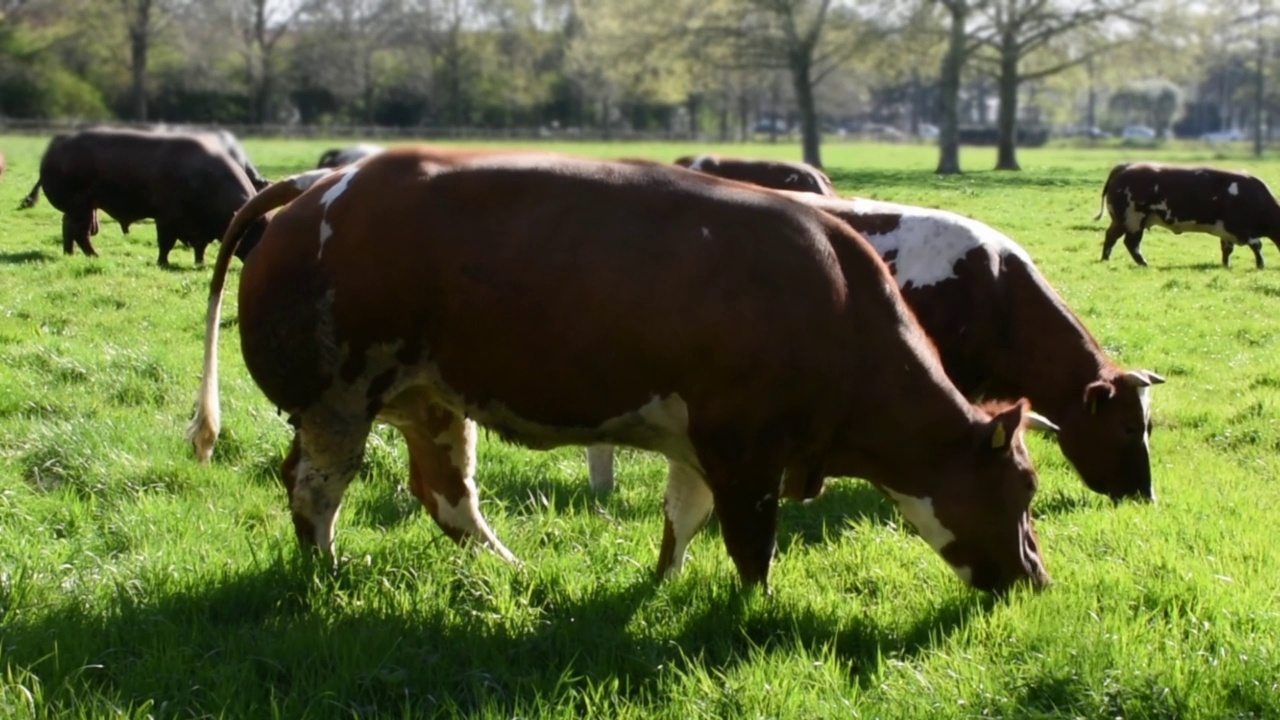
(1235,206)
(563,301)
(765,173)
(188,183)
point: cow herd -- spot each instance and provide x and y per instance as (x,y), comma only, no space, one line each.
(736,316)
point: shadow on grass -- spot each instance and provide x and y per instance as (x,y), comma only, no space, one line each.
(844,499)
(28,256)
(279,636)
(1200,266)
(866,182)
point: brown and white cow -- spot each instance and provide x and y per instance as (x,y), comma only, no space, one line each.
(561,301)
(1235,206)
(188,182)
(1003,331)
(778,174)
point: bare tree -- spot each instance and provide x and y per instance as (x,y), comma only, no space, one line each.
(1016,29)
(809,39)
(261,25)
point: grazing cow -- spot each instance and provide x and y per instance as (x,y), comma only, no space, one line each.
(238,154)
(1235,206)
(337,157)
(766,173)
(560,301)
(188,183)
(1003,331)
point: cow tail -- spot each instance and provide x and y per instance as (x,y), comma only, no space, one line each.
(1107,186)
(202,432)
(32,197)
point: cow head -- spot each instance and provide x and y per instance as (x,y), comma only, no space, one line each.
(978,516)
(1107,436)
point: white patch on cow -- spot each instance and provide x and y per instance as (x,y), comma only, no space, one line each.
(326,232)
(1156,188)
(793,178)
(1234,189)
(699,161)
(304,181)
(1144,399)
(336,190)
(706,233)
(929,243)
(687,504)
(919,512)
(331,195)
(317,496)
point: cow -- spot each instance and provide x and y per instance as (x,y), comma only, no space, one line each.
(564,301)
(766,173)
(1002,331)
(188,183)
(1235,206)
(225,138)
(337,157)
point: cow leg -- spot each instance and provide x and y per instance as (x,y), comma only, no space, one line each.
(745,489)
(686,508)
(1227,247)
(166,237)
(1255,244)
(1109,240)
(325,456)
(600,467)
(442,462)
(198,247)
(1133,243)
(75,230)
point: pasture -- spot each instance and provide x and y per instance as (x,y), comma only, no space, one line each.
(135,583)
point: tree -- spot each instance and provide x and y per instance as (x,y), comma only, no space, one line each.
(144,19)
(1018,29)
(809,39)
(261,25)
(960,47)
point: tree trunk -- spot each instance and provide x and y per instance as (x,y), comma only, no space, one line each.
(139,44)
(1259,95)
(809,131)
(694,104)
(1007,114)
(949,94)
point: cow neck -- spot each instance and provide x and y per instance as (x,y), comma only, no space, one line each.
(904,413)
(1052,356)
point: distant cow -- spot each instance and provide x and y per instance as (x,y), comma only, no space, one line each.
(1236,207)
(563,301)
(188,183)
(237,153)
(337,157)
(1003,332)
(766,173)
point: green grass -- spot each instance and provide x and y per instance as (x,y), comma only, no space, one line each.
(136,583)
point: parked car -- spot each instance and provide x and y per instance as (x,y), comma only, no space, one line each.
(1138,132)
(1221,136)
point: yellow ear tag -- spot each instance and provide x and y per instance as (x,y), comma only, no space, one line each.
(998,437)
(1093,406)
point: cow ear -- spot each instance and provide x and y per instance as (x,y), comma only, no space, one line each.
(1141,378)
(684,161)
(1000,430)
(1098,392)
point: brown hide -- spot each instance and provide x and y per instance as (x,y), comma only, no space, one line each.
(551,299)
(776,174)
(1235,206)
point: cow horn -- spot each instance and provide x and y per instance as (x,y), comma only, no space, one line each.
(1141,378)
(1036,421)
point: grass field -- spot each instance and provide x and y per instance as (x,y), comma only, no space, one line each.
(135,583)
